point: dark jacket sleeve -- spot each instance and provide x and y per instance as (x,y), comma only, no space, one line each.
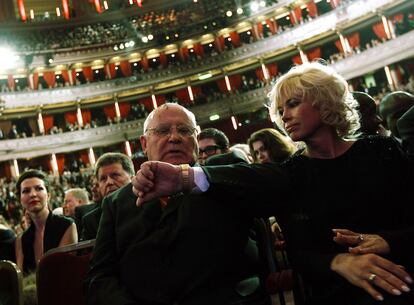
(261,188)
(405,127)
(102,284)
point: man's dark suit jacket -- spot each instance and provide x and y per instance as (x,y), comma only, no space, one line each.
(90,223)
(405,125)
(80,212)
(188,253)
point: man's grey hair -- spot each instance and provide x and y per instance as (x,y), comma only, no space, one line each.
(80,194)
(167,105)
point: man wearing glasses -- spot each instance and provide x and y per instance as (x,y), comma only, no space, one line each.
(211,141)
(189,252)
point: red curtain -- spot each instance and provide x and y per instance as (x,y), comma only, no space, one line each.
(86,116)
(144,63)
(88,73)
(160,100)
(65,6)
(314,53)
(126,68)
(74,75)
(147,102)
(112,70)
(219,42)
(273,69)
(10,81)
(48,121)
(183,96)
(379,30)
(353,40)
(338,45)
(163,60)
(49,77)
(110,111)
(84,155)
(70,117)
(296,12)
(235,39)
(65,76)
(297,60)
(60,160)
(198,49)
(124,109)
(35,81)
(272,25)
(259,29)
(221,83)
(312,9)
(259,74)
(184,53)
(235,81)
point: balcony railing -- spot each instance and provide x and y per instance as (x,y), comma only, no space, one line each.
(327,22)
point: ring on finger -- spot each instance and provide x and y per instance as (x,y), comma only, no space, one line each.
(360,238)
(372,277)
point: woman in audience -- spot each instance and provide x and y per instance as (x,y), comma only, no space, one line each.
(361,185)
(269,145)
(46,231)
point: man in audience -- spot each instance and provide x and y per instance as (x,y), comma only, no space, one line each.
(211,141)
(113,171)
(180,253)
(73,198)
(392,107)
(82,210)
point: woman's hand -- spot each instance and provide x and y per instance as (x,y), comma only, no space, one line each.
(371,270)
(361,243)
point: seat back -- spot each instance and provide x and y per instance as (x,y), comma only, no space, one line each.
(11,284)
(61,272)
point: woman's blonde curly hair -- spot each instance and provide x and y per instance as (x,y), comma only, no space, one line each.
(327,90)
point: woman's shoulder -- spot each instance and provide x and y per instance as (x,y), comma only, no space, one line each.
(60,220)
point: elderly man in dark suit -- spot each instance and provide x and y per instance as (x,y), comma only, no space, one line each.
(113,171)
(187,252)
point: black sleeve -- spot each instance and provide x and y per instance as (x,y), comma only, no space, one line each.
(261,188)
(102,284)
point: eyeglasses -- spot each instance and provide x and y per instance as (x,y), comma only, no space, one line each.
(209,150)
(166,130)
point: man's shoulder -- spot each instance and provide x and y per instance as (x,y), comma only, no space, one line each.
(123,193)
(85,209)
(232,157)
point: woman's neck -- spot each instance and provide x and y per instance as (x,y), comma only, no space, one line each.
(326,145)
(39,219)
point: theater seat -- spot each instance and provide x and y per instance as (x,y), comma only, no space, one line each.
(11,284)
(61,272)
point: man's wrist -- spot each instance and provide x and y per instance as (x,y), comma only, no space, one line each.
(186,177)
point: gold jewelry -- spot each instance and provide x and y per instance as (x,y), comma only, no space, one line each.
(185,174)
(372,277)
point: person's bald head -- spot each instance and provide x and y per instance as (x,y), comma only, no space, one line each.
(393,106)
(170,135)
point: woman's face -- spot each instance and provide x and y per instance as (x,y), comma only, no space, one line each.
(300,118)
(33,195)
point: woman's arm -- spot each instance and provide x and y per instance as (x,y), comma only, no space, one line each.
(70,236)
(19,252)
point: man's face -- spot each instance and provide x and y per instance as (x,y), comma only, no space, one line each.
(69,204)
(112,177)
(207,148)
(166,140)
